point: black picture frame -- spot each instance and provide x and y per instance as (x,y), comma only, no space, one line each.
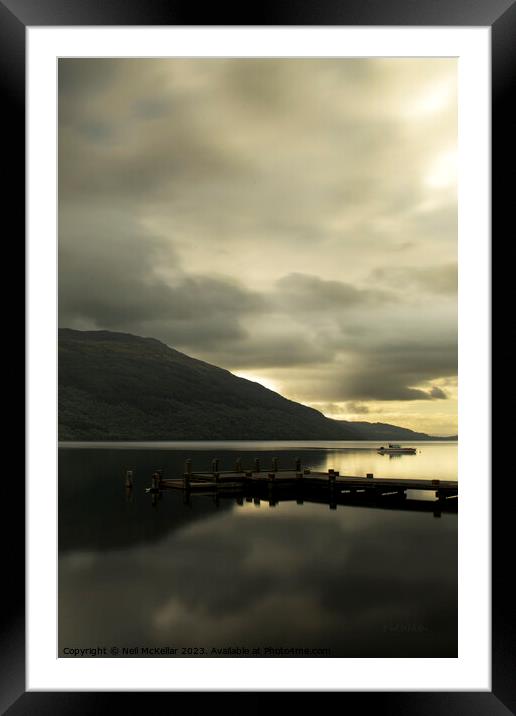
(500,16)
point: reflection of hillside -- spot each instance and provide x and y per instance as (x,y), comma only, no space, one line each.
(95,513)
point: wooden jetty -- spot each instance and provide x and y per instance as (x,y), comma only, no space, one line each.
(286,484)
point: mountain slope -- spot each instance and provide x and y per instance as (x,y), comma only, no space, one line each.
(116,386)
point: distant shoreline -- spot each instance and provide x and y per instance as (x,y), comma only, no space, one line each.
(240,444)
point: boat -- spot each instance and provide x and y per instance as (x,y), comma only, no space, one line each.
(395,449)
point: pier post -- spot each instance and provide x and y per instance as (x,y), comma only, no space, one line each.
(331,486)
(238,465)
(129,478)
(257,465)
(275,464)
(298,464)
(188,467)
(215,465)
(155,481)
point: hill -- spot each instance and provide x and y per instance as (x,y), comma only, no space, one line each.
(117,386)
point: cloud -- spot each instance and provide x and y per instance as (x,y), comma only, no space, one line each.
(433,279)
(311,293)
(357,408)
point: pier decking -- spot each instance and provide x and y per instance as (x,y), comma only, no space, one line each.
(328,487)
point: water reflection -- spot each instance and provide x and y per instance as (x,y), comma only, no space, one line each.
(357,581)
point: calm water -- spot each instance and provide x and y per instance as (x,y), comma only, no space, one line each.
(355,581)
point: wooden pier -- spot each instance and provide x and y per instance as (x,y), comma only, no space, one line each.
(330,487)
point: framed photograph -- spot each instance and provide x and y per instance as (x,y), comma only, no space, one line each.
(258,354)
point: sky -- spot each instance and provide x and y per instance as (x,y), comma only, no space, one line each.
(291,220)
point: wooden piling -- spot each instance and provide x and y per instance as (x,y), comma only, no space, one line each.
(257,465)
(155,481)
(275,464)
(238,465)
(298,464)
(215,465)
(188,467)
(129,478)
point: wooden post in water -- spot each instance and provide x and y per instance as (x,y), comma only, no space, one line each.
(298,464)
(129,479)
(257,465)
(188,467)
(155,482)
(275,464)
(215,465)
(331,485)
(238,465)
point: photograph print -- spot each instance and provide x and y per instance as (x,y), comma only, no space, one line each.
(257,372)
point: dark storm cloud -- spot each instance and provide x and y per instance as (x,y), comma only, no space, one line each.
(109,277)
(311,293)
(387,371)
